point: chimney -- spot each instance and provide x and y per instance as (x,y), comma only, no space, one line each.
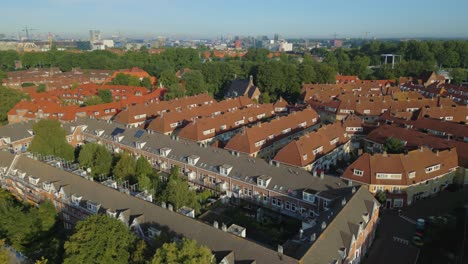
(343,202)
(163,205)
(224,227)
(353,190)
(169,206)
(215,224)
(437,152)
(314,173)
(350,183)
(280,250)
(385,154)
(251,79)
(322,174)
(324,225)
(301,233)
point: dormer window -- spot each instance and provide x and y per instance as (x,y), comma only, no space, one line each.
(208,131)
(308,197)
(93,207)
(317,150)
(358,172)
(99,132)
(140,145)
(287,130)
(433,168)
(34,181)
(46,186)
(225,169)
(334,141)
(165,152)
(118,138)
(111,213)
(153,232)
(303,124)
(411,174)
(263,181)
(31,132)
(192,160)
(76,199)
(223,127)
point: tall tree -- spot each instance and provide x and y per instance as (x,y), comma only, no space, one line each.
(146,82)
(4,254)
(105,95)
(186,251)
(124,170)
(99,239)
(9,98)
(178,193)
(167,78)
(194,82)
(394,146)
(50,139)
(96,157)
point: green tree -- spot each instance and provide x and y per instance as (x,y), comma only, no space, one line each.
(307,73)
(145,174)
(186,251)
(394,146)
(96,157)
(99,239)
(265,98)
(178,193)
(9,99)
(325,73)
(121,79)
(168,78)
(50,139)
(194,82)
(458,75)
(146,82)
(174,91)
(105,95)
(124,170)
(4,254)
(93,100)
(134,81)
(41,88)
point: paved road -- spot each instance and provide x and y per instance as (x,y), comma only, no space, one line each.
(386,250)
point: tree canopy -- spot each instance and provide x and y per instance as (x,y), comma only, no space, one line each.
(186,251)
(105,95)
(394,146)
(96,157)
(124,169)
(50,139)
(178,193)
(100,239)
(9,98)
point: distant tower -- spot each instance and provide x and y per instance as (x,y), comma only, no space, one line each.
(277,37)
(94,35)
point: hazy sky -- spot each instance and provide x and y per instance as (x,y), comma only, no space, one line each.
(210,18)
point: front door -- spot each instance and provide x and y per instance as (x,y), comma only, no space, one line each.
(389,204)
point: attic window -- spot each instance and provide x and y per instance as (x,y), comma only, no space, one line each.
(93,207)
(76,199)
(165,152)
(33,180)
(304,157)
(192,160)
(358,172)
(411,175)
(433,168)
(287,130)
(99,132)
(225,169)
(317,150)
(334,141)
(140,145)
(208,131)
(223,127)
(263,181)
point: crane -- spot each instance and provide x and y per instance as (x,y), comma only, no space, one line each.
(27,30)
(49,38)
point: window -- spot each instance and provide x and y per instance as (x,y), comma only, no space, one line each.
(304,157)
(412,174)
(317,150)
(396,189)
(367,111)
(287,130)
(334,141)
(303,124)
(397,202)
(223,127)
(388,176)
(260,116)
(271,136)
(259,143)
(314,120)
(308,197)
(358,172)
(433,168)
(449,118)
(287,206)
(240,122)
(209,131)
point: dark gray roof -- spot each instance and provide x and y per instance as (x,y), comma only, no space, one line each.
(342,222)
(284,179)
(239,87)
(16,131)
(215,239)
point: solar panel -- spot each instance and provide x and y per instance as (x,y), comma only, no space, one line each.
(139,133)
(117,131)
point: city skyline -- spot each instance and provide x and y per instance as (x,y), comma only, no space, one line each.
(209,19)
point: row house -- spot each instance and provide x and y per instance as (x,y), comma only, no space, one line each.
(76,198)
(270,184)
(454,113)
(405,177)
(263,139)
(224,126)
(139,114)
(53,78)
(413,139)
(168,122)
(342,235)
(318,150)
(437,127)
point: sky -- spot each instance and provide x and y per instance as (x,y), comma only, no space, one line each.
(210,18)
